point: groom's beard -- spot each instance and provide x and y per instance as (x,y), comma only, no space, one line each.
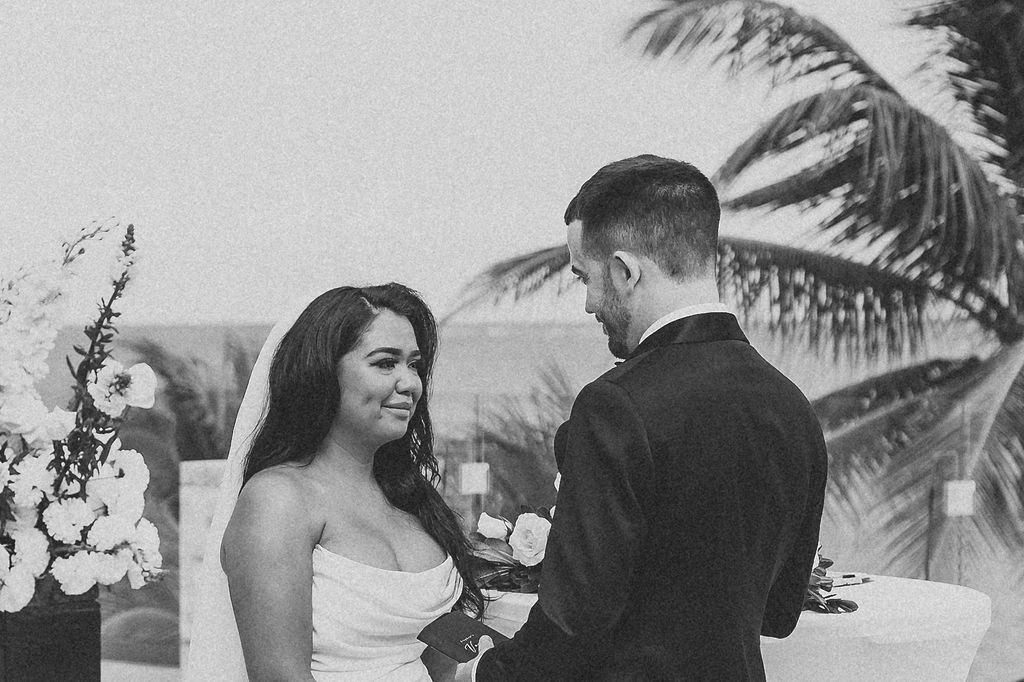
(616,319)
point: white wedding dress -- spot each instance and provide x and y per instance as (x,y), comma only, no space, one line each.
(365,619)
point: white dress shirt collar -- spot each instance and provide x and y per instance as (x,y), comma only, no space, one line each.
(680,313)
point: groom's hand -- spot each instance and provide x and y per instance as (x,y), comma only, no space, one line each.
(466,672)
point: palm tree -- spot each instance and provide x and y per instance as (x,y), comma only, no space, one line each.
(202,400)
(922,224)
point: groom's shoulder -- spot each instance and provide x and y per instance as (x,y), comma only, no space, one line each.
(616,384)
(633,369)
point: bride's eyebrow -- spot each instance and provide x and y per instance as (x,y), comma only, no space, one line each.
(393,351)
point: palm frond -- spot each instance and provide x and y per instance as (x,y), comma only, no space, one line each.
(753,35)
(817,299)
(516,277)
(980,438)
(864,424)
(848,406)
(898,179)
(985,41)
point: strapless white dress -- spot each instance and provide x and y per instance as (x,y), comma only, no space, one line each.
(365,619)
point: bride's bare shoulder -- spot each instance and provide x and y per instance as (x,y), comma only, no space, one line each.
(282,479)
(280,497)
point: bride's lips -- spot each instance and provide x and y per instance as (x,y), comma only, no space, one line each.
(402,407)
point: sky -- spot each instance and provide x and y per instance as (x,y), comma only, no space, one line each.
(268,151)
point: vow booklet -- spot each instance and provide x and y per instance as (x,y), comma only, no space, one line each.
(456,635)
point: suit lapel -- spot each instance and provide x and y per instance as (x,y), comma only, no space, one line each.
(693,329)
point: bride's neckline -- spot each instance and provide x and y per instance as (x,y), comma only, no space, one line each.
(447,560)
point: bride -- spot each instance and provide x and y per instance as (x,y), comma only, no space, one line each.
(333,544)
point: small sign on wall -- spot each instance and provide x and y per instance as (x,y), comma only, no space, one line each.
(474,478)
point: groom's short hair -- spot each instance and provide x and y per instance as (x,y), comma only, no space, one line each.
(663,209)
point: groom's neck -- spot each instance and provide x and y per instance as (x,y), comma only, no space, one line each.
(665,296)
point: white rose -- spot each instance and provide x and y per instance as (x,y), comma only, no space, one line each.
(76,573)
(104,486)
(132,468)
(31,550)
(65,519)
(60,423)
(136,576)
(529,539)
(146,540)
(109,531)
(128,505)
(13,375)
(120,485)
(491,527)
(26,415)
(111,567)
(146,556)
(33,480)
(17,588)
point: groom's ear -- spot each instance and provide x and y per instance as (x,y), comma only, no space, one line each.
(625,271)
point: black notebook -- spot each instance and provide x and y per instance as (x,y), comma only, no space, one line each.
(456,635)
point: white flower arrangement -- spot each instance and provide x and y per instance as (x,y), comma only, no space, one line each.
(71,499)
(507,556)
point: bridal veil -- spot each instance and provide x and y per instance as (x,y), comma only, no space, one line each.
(215,652)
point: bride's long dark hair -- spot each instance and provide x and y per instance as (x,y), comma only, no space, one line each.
(303,400)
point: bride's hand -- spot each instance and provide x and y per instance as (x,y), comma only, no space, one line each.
(464,673)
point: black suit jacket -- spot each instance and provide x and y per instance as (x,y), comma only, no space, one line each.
(693,478)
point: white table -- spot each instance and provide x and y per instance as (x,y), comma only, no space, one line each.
(905,629)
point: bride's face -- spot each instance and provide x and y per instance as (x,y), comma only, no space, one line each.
(380,382)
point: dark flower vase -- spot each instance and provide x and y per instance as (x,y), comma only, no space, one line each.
(55,637)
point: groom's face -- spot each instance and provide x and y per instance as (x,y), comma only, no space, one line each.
(603,302)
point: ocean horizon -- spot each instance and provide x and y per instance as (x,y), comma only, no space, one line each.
(479,362)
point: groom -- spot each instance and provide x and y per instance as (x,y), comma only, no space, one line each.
(693,473)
